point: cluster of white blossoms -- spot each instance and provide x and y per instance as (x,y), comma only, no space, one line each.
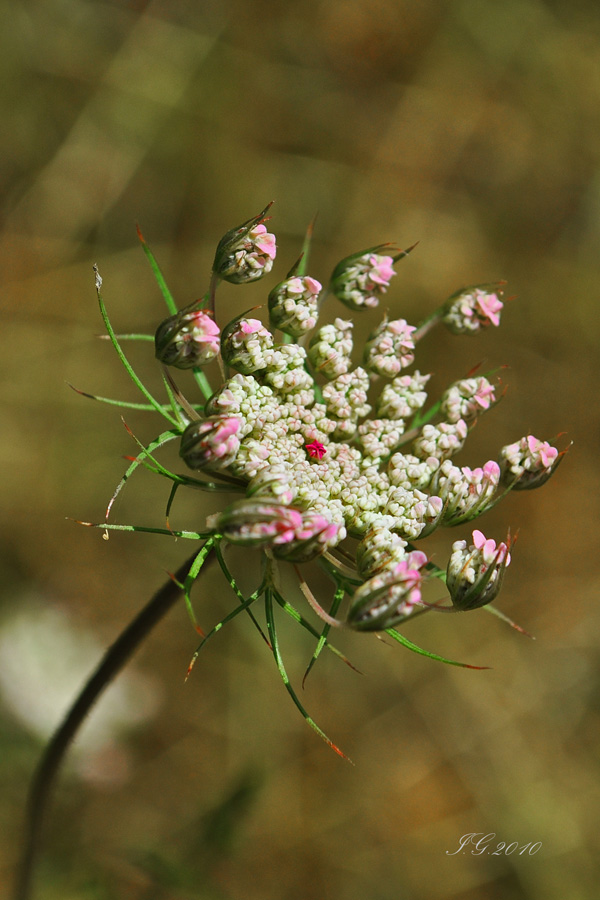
(328,449)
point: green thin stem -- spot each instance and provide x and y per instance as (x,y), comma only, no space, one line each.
(203,383)
(115,658)
(113,338)
(109,526)
(162,284)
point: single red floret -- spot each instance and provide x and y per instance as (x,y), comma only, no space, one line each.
(316,450)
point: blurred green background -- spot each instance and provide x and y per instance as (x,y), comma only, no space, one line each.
(471,127)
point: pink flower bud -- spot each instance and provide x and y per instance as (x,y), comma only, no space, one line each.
(528,463)
(403,397)
(187,339)
(360,279)
(466,492)
(313,536)
(440,441)
(474,574)
(258,523)
(210,443)
(244,343)
(293,305)
(246,253)
(471,309)
(389,596)
(390,348)
(467,399)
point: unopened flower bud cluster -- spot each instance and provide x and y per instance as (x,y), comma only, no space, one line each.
(475,572)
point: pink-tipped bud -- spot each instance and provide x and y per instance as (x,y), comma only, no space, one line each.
(312,538)
(293,305)
(244,343)
(472,309)
(528,463)
(403,397)
(389,596)
(359,280)
(246,253)
(467,399)
(474,574)
(257,523)
(466,492)
(187,339)
(211,443)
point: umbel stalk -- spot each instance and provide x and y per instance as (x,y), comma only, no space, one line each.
(113,661)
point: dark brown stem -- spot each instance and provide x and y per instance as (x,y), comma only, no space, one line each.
(113,661)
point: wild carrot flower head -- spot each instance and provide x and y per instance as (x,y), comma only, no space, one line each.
(351,465)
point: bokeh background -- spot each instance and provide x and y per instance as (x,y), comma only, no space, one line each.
(472,127)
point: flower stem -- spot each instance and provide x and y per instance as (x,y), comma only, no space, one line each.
(113,661)
(427,324)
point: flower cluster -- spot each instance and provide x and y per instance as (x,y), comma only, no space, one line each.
(349,464)
(246,253)
(475,573)
(293,305)
(187,339)
(306,416)
(472,309)
(360,279)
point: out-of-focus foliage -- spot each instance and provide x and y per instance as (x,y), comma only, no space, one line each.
(472,127)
